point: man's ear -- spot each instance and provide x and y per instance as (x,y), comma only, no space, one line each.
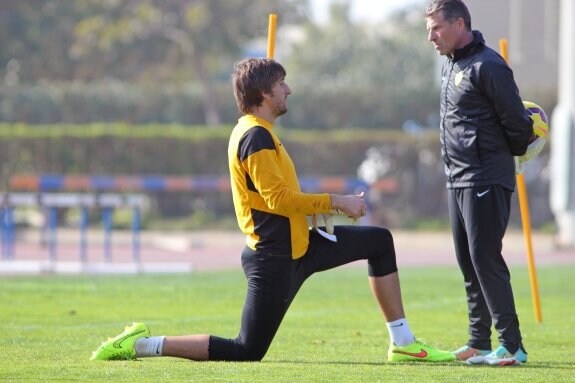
(460,23)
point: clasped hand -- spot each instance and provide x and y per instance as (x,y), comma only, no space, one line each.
(353,206)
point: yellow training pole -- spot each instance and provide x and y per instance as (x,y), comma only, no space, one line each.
(525,219)
(272,35)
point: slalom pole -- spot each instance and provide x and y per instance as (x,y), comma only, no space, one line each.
(271,35)
(525,219)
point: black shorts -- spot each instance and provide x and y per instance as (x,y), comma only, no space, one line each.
(274,280)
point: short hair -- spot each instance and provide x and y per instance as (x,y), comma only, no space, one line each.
(252,77)
(451,10)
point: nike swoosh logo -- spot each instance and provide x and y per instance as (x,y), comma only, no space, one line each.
(421,354)
(397,325)
(482,193)
(158,349)
(118,343)
(509,362)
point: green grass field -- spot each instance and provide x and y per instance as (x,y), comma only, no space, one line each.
(334,332)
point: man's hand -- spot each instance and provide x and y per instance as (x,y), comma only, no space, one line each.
(350,205)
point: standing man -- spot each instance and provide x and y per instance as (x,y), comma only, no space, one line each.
(483,125)
(281,252)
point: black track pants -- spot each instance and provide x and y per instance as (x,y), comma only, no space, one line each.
(274,280)
(479,218)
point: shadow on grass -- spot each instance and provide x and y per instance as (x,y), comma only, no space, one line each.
(535,365)
(352,363)
(532,366)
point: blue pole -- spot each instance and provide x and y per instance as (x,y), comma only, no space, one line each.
(84,234)
(136,235)
(107,222)
(44,229)
(4,234)
(52,226)
(11,232)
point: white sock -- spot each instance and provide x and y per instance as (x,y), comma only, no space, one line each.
(400,333)
(152,346)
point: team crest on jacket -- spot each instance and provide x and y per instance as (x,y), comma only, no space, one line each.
(458,78)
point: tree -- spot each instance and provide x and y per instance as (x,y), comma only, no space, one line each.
(373,75)
(343,73)
(202,36)
(147,41)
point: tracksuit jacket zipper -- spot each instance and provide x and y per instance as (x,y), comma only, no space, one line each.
(445,93)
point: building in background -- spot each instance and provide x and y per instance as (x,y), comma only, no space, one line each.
(531,28)
(541,44)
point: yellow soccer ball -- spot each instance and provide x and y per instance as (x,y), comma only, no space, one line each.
(540,131)
(540,121)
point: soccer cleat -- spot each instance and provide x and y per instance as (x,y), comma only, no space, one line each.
(467,352)
(418,352)
(122,346)
(500,357)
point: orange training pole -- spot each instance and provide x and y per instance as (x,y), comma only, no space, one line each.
(271,35)
(525,219)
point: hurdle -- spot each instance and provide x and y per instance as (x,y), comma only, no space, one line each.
(50,203)
(52,192)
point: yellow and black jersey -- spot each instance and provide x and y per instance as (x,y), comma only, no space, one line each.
(270,207)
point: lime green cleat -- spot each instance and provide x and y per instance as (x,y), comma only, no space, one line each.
(122,346)
(418,352)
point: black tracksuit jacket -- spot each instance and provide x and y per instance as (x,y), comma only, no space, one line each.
(483,121)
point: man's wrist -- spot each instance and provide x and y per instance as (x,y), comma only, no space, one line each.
(334,201)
